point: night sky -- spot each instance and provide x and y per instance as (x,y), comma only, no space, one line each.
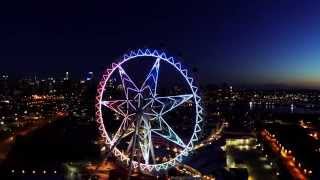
(241,42)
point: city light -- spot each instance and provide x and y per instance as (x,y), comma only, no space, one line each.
(294,168)
(238,98)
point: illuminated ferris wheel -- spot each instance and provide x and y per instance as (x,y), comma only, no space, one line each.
(144,125)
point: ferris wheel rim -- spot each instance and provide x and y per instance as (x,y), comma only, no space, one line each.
(196,99)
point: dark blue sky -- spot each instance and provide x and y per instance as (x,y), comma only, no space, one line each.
(240,41)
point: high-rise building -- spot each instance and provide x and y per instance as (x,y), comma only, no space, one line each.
(66,76)
(89,76)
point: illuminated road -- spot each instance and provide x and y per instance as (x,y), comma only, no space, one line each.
(103,169)
(188,170)
(214,136)
(286,157)
(6,144)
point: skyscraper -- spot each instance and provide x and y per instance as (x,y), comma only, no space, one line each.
(66,76)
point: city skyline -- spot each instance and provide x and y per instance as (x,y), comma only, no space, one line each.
(214,90)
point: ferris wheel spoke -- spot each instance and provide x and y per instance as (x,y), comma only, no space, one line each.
(120,107)
(165,131)
(127,83)
(125,129)
(130,145)
(151,82)
(168,103)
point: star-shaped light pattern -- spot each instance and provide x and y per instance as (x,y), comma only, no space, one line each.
(152,120)
(143,109)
